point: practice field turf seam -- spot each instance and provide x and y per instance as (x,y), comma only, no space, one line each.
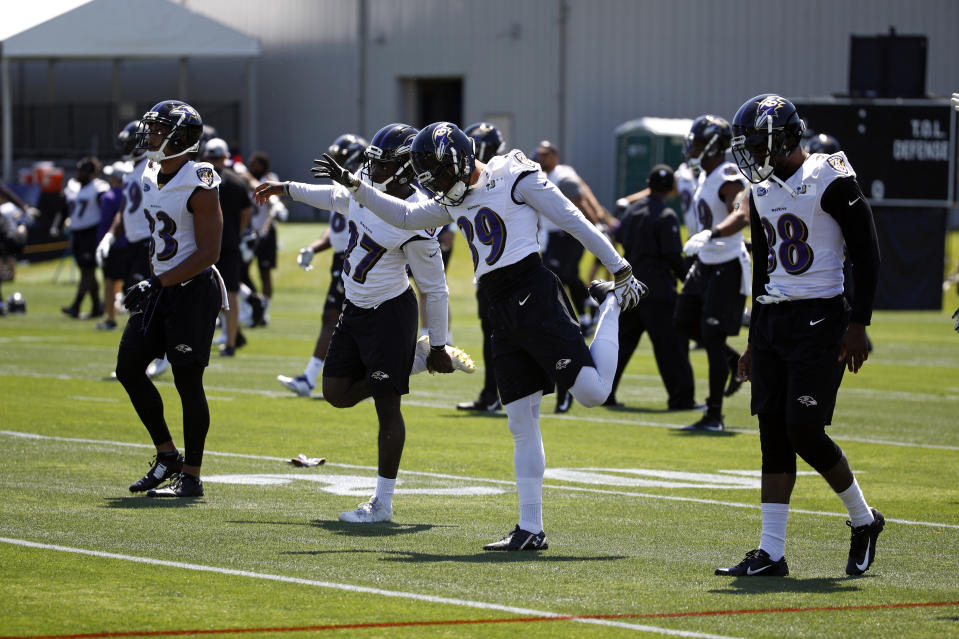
(600,491)
(545,416)
(595,620)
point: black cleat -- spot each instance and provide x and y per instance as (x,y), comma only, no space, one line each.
(708,423)
(734,383)
(71,311)
(487,403)
(756,564)
(163,467)
(862,545)
(520,539)
(183,485)
(599,290)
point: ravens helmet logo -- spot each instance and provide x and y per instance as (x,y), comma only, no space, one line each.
(768,109)
(442,139)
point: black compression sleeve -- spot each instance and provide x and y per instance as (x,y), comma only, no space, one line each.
(760,254)
(844,200)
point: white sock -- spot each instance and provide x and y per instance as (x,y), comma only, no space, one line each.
(594,383)
(419,362)
(312,370)
(529,459)
(384,491)
(530,491)
(773,539)
(855,503)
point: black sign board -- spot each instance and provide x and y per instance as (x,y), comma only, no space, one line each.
(903,151)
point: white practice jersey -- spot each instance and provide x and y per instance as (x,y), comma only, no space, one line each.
(166,210)
(339,233)
(711,210)
(805,243)
(500,215)
(686,184)
(83,202)
(261,212)
(136,227)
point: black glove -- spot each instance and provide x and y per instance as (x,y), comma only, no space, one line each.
(955,316)
(140,293)
(328,168)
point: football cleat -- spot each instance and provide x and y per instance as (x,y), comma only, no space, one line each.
(735,381)
(707,423)
(520,539)
(488,403)
(183,485)
(299,384)
(461,359)
(106,325)
(599,290)
(71,311)
(157,367)
(368,513)
(756,564)
(862,544)
(163,467)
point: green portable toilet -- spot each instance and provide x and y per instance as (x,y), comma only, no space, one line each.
(642,144)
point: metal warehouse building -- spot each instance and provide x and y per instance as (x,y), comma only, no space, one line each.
(567,70)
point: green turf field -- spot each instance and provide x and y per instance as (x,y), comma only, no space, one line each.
(638,514)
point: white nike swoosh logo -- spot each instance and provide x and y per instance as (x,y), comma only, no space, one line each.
(750,571)
(865,563)
(854,201)
(525,299)
(813,323)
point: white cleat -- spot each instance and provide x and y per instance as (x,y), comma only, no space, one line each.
(298,385)
(461,359)
(157,367)
(368,513)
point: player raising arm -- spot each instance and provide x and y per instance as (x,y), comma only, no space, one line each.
(536,338)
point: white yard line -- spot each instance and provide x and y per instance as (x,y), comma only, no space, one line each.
(482,605)
(409,401)
(463,478)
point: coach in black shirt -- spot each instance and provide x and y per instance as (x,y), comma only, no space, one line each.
(236,206)
(649,233)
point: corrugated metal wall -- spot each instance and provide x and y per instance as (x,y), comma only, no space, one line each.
(624,59)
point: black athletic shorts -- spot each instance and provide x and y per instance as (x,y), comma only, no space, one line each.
(336,294)
(179,322)
(84,246)
(266,250)
(138,263)
(378,343)
(536,341)
(231,268)
(116,266)
(710,301)
(795,346)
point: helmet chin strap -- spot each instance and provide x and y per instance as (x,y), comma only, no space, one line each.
(160,156)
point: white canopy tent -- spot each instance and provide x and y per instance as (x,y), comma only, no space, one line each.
(115,30)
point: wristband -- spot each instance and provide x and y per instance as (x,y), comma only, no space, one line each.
(437,349)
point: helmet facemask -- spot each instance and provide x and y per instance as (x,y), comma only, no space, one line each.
(176,140)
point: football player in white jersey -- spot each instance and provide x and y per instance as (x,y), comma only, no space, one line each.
(83,194)
(488,142)
(349,149)
(710,307)
(687,180)
(373,346)
(173,310)
(133,224)
(803,209)
(537,341)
